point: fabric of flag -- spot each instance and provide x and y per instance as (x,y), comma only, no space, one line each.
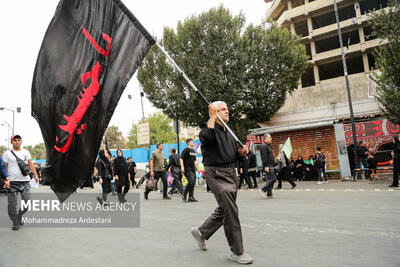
(90,51)
(287,148)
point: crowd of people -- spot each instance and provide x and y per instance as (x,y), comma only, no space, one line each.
(224,160)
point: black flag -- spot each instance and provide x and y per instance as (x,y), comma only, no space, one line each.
(90,51)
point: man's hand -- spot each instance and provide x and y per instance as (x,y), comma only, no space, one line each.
(6,183)
(182,171)
(116,177)
(151,173)
(266,169)
(37,179)
(100,181)
(213,112)
(242,151)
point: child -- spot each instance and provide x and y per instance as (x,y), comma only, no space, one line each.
(372,164)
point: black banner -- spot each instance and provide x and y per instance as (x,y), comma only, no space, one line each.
(89,53)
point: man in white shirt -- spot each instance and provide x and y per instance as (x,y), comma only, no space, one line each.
(16,182)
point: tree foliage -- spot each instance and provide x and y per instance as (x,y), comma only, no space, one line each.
(386,25)
(115,138)
(160,130)
(251,69)
(38,151)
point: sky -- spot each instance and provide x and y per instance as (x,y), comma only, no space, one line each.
(23,25)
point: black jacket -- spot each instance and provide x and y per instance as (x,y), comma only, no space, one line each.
(267,157)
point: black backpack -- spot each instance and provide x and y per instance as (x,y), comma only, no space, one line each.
(320,161)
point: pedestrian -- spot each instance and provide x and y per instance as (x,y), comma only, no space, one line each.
(174,167)
(299,169)
(3,176)
(122,176)
(352,159)
(320,162)
(17,181)
(157,170)
(268,162)
(253,167)
(285,171)
(243,167)
(104,174)
(220,153)
(132,170)
(362,153)
(372,164)
(188,168)
(113,191)
(396,162)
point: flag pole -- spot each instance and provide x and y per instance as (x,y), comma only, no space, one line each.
(197,91)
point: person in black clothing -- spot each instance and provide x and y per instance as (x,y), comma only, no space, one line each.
(188,167)
(243,167)
(285,173)
(320,163)
(122,175)
(253,167)
(396,162)
(268,162)
(362,153)
(352,159)
(174,167)
(372,164)
(104,172)
(220,153)
(299,169)
(132,170)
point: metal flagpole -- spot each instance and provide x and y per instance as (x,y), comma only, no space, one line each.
(197,91)
(353,126)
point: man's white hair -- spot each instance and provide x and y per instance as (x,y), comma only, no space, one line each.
(215,104)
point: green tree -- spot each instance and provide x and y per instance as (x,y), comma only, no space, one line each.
(160,130)
(386,25)
(251,69)
(38,151)
(2,150)
(115,138)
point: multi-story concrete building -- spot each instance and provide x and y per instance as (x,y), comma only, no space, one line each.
(320,101)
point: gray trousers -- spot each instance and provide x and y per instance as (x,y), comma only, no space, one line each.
(25,190)
(223,183)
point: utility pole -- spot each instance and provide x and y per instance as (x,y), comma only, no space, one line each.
(346,76)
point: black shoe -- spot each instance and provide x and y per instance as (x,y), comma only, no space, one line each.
(106,204)
(192,199)
(15,227)
(278,188)
(392,185)
(166,198)
(293,187)
(99,200)
(146,196)
(184,198)
(20,223)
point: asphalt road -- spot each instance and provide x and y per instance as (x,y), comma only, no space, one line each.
(336,224)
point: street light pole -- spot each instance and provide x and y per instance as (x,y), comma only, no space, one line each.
(13,111)
(353,126)
(8,131)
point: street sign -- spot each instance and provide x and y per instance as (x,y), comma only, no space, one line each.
(143,133)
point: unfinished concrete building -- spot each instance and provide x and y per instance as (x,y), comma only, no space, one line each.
(320,101)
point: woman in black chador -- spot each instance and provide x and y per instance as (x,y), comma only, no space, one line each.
(122,175)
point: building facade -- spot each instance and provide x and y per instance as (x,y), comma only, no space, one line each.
(311,112)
